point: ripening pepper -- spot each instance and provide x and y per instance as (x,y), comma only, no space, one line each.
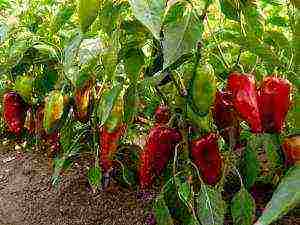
(162,114)
(245,100)
(225,117)
(291,150)
(159,147)
(54,109)
(205,154)
(202,88)
(274,97)
(83,101)
(39,117)
(109,143)
(14,111)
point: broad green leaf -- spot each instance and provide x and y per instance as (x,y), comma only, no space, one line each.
(46,51)
(71,68)
(279,21)
(4,29)
(130,103)
(63,15)
(254,23)
(276,38)
(243,208)
(107,103)
(109,15)
(184,192)
(250,164)
(285,197)
(88,11)
(211,207)
(90,49)
(133,62)
(230,9)
(162,214)
(182,31)
(271,146)
(149,13)
(94,176)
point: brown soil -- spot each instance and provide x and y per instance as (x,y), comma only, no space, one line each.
(26,196)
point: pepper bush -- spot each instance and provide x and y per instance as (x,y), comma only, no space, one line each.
(190,98)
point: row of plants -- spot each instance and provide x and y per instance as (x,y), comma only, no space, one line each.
(198,100)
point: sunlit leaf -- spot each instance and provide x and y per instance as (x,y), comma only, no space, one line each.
(149,13)
(243,208)
(88,11)
(250,164)
(162,214)
(182,31)
(211,207)
(285,197)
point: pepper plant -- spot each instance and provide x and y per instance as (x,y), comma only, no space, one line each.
(180,96)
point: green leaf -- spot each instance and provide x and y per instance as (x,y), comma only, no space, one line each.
(279,21)
(89,49)
(88,11)
(211,207)
(133,62)
(161,211)
(63,15)
(71,59)
(285,197)
(182,31)
(250,164)
(230,9)
(275,38)
(46,51)
(107,103)
(94,176)
(184,192)
(149,13)
(243,208)
(130,103)
(4,30)
(272,148)
(253,20)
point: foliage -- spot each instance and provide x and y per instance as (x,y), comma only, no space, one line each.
(139,54)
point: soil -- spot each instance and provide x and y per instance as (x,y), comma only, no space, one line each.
(27,198)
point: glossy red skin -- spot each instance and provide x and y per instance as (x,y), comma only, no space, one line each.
(291,150)
(274,103)
(162,114)
(205,154)
(109,144)
(159,147)
(225,117)
(245,100)
(14,112)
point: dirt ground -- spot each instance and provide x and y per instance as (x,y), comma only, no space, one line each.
(27,199)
